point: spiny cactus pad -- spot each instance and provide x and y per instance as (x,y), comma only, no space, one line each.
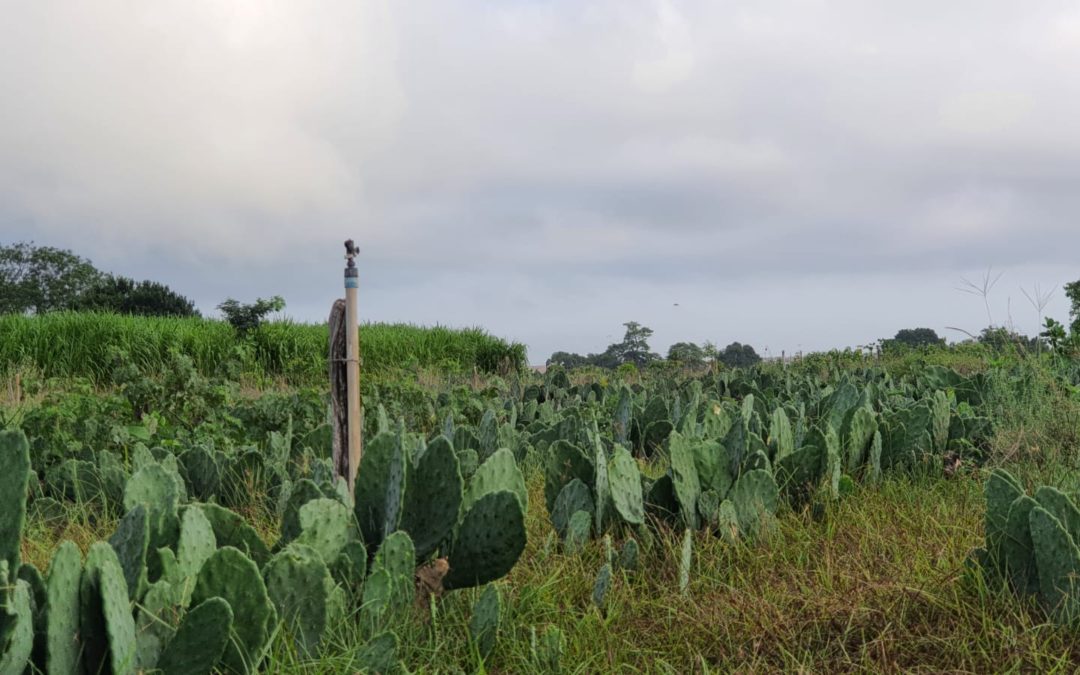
(300,586)
(565,462)
(1058,562)
(63,650)
(489,541)
(684,476)
(231,575)
(200,641)
(433,499)
(326,525)
(14,481)
(755,497)
(625,481)
(574,497)
(1061,507)
(106,623)
(155,623)
(15,654)
(130,542)
(381,455)
(1017,548)
(303,491)
(230,529)
(484,625)
(193,548)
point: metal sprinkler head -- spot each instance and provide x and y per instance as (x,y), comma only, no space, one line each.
(351,252)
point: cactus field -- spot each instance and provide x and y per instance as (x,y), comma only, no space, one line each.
(834,514)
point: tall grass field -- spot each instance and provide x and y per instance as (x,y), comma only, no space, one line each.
(70,344)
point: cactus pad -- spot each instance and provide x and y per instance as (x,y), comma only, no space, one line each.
(231,575)
(684,476)
(14,483)
(200,641)
(300,587)
(565,462)
(433,499)
(489,541)
(106,623)
(484,625)
(373,485)
(230,529)
(1058,562)
(130,542)
(625,481)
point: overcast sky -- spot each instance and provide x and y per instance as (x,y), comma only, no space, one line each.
(796,175)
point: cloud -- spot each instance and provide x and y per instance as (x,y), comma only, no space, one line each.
(551,169)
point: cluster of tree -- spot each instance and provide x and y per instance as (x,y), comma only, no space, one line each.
(39,279)
(634,349)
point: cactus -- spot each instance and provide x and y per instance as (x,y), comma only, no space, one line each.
(1058,561)
(684,476)
(397,556)
(565,462)
(1061,507)
(578,531)
(326,525)
(350,566)
(601,587)
(624,478)
(380,487)
(106,624)
(754,497)
(302,492)
(574,497)
(63,651)
(230,529)
(547,651)
(17,620)
(489,541)
(130,542)
(434,497)
(231,575)
(498,472)
(200,641)
(35,584)
(155,623)
(14,483)
(628,557)
(193,548)
(781,437)
(484,625)
(601,485)
(858,436)
(156,489)
(201,472)
(379,655)
(299,584)
(1017,547)
(686,559)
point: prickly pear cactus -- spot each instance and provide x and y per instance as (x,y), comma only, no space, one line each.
(156,489)
(433,500)
(193,548)
(303,491)
(14,482)
(574,497)
(106,623)
(234,577)
(200,641)
(624,478)
(781,437)
(565,462)
(578,532)
(755,497)
(397,556)
(230,529)
(17,618)
(484,625)
(628,557)
(380,487)
(686,560)
(1017,547)
(1061,507)
(547,650)
(156,621)
(860,433)
(299,584)
(326,525)
(498,472)
(601,587)
(684,476)
(63,647)
(130,542)
(201,472)
(1058,561)
(489,541)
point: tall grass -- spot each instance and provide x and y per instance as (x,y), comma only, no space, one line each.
(77,344)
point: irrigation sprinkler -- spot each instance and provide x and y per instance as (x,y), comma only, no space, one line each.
(345,375)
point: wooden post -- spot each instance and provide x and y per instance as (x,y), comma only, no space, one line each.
(352,362)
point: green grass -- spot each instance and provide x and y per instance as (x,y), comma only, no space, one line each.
(878,583)
(68,344)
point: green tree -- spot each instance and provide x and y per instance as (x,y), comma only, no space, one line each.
(1072,292)
(916,337)
(568,360)
(127,296)
(246,318)
(634,347)
(686,354)
(738,355)
(40,279)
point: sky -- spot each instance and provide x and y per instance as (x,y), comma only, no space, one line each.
(797,175)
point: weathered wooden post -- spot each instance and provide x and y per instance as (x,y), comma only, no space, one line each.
(345,375)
